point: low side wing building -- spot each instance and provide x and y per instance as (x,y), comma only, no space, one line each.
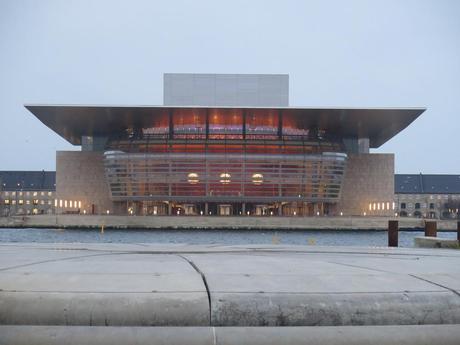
(427,196)
(27,192)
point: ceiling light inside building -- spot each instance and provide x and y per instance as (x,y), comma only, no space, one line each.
(225,178)
(257,179)
(192,178)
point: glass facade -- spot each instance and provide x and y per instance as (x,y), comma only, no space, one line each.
(225,177)
(191,156)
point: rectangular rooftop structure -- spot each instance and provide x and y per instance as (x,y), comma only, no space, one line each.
(238,90)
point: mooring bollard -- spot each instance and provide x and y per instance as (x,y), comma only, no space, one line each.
(393,229)
(458,231)
(430,229)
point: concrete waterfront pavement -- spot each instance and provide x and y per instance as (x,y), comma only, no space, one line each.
(435,242)
(138,285)
(216,222)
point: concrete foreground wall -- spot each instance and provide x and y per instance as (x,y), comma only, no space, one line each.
(226,286)
(201,222)
(260,294)
(369,178)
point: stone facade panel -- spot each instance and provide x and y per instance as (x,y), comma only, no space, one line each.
(369,180)
(80,177)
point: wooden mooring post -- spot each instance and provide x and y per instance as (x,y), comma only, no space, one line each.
(393,229)
(431,229)
(458,231)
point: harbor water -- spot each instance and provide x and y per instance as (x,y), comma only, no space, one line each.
(373,238)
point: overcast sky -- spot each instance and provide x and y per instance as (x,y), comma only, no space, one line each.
(337,53)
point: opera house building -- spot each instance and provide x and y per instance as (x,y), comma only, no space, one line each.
(224,144)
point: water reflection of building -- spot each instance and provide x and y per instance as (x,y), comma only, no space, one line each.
(225,145)
(27,192)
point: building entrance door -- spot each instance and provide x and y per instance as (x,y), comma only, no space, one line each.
(261,210)
(189,209)
(225,210)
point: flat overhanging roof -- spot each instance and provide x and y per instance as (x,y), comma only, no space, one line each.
(74,121)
